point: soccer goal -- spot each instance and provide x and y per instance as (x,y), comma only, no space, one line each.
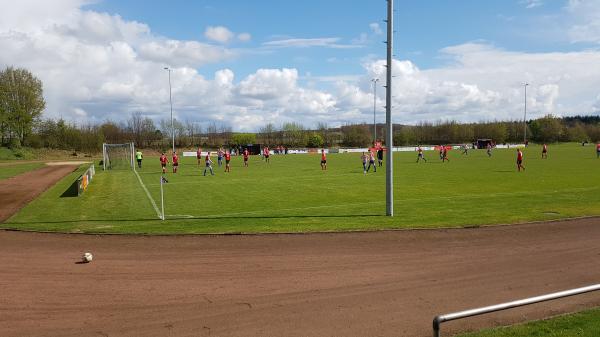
(118,156)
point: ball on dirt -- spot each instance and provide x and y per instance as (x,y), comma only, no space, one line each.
(87,257)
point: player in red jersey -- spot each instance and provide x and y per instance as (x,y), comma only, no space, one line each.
(445,154)
(520,160)
(227,161)
(598,150)
(323,160)
(163,162)
(208,162)
(545,151)
(175,162)
(266,153)
(199,155)
(246,154)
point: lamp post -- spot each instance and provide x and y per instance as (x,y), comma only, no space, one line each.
(525,115)
(171,102)
(375,80)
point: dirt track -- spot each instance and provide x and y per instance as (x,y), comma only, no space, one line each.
(18,191)
(355,284)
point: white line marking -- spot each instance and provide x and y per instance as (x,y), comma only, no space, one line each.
(148,194)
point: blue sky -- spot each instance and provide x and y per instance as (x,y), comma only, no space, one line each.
(243,64)
(423,28)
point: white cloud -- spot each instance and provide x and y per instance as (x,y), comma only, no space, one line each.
(269,83)
(532,3)
(328,42)
(585,17)
(482,83)
(219,34)
(96,66)
(244,37)
(375,28)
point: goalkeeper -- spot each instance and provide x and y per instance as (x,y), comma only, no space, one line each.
(139,157)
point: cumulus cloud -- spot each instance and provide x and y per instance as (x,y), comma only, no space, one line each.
(482,82)
(219,34)
(97,66)
(585,16)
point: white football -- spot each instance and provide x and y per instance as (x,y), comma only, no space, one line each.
(88,257)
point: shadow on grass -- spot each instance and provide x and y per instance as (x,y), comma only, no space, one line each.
(193,218)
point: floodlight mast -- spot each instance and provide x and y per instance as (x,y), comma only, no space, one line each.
(375,80)
(389,137)
(525,115)
(171,102)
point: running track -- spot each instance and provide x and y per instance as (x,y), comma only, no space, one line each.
(350,284)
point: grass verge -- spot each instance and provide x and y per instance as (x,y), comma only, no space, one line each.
(16,169)
(583,324)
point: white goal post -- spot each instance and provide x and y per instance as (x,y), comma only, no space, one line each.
(118,156)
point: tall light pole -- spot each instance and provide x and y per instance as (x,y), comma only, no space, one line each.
(389,137)
(375,80)
(171,102)
(525,115)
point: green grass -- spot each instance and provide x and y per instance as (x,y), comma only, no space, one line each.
(583,324)
(12,154)
(292,194)
(11,170)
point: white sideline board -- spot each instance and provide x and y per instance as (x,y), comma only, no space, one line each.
(342,150)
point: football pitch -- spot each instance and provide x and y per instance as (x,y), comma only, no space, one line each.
(293,194)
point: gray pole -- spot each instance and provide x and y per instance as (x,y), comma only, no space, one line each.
(525,116)
(389,137)
(171,102)
(162,198)
(375,80)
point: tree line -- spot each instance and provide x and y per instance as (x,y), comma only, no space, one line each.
(21,124)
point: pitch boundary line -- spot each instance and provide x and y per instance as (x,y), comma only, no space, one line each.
(148,194)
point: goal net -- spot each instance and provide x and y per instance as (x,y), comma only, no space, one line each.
(118,156)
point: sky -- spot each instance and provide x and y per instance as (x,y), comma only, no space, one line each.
(243,64)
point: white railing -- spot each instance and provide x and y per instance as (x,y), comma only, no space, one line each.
(438,320)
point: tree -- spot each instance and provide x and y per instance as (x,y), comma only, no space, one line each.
(315,140)
(293,134)
(356,135)
(193,132)
(547,129)
(111,132)
(576,133)
(405,136)
(267,134)
(21,104)
(243,139)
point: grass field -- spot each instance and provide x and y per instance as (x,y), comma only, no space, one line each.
(13,169)
(584,324)
(292,194)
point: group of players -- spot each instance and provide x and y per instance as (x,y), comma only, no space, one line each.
(443,151)
(367,158)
